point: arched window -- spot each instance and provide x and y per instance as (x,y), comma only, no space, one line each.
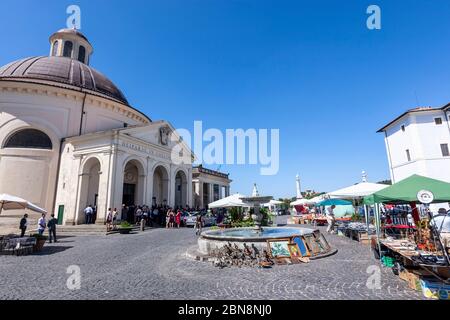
(29,138)
(55,48)
(68,46)
(81,54)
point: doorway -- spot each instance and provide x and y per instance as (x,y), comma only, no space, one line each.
(129,192)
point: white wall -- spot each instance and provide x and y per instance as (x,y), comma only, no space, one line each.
(423,138)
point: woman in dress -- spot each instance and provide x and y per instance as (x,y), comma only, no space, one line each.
(178,218)
(171,219)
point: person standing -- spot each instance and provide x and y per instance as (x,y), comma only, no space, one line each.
(109,218)
(115,215)
(41,224)
(168,218)
(331,219)
(23,225)
(178,218)
(52,228)
(171,219)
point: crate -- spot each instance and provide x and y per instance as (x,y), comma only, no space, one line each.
(387,261)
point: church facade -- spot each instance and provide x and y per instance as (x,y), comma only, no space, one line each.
(69,138)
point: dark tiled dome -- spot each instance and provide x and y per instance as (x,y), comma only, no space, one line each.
(62,70)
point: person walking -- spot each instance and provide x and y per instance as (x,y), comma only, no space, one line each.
(23,225)
(198,224)
(331,219)
(52,228)
(41,224)
(178,218)
(109,219)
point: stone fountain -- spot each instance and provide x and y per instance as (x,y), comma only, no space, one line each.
(248,246)
(255,201)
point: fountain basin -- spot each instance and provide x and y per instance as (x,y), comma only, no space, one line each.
(216,239)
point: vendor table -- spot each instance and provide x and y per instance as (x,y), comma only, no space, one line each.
(405,250)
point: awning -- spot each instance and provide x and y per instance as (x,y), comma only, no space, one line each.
(407,190)
(9,202)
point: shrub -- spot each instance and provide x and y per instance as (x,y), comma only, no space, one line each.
(125,224)
(39,237)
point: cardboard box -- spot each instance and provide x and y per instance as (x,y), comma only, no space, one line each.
(414,281)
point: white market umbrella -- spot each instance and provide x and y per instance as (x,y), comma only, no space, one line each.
(272,203)
(358,190)
(9,202)
(231,201)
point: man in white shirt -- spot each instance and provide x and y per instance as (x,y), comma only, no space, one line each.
(331,219)
(441,221)
(88,212)
(41,224)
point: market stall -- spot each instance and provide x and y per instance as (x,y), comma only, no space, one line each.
(420,246)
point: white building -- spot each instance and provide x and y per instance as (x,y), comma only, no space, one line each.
(417,142)
(69,138)
(209,186)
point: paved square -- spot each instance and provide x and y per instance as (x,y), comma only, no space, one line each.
(152,265)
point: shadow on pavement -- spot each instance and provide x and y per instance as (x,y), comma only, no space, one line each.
(51,250)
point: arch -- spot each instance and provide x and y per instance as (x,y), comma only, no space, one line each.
(160,185)
(90,180)
(29,138)
(68,47)
(181,188)
(134,180)
(55,48)
(82,54)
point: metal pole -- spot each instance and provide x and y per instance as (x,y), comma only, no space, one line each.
(377,225)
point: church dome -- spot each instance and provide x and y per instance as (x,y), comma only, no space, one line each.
(61,71)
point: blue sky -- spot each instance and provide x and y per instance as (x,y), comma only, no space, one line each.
(310,68)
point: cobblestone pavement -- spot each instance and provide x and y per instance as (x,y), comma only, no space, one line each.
(152,265)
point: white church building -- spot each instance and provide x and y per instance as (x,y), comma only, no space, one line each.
(417,142)
(69,138)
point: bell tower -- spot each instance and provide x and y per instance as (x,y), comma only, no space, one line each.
(70,43)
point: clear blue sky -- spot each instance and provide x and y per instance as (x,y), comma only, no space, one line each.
(310,68)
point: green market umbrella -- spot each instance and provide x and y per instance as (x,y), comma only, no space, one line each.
(407,191)
(336,202)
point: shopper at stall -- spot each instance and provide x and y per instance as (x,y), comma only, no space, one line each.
(441,223)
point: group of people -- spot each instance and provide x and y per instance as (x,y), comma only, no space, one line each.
(42,225)
(90,214)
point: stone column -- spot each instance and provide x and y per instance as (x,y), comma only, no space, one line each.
(200,193)
(211,192)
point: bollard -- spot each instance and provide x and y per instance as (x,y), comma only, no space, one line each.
(142,224)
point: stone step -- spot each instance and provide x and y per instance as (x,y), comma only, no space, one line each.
(93,229)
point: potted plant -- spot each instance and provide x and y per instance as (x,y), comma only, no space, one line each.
(40,241)
(125,227)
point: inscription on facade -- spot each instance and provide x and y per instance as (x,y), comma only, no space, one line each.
(145,150)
